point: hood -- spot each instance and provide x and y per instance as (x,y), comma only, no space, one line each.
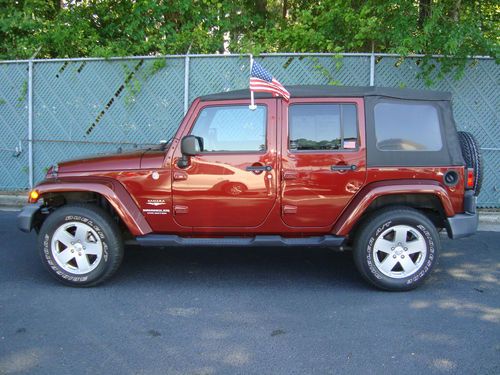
(114,162)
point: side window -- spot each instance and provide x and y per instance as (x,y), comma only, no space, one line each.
(232,128)
(322,127)
(407,127)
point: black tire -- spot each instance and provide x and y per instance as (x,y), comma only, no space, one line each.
(473,159)
(381,226)
(100,232)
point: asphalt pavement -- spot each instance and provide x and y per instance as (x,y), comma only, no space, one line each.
(249,311)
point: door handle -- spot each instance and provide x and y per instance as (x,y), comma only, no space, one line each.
(343,168)
(179,209)
(259,168)
(290,175)
(180,176)
(289,209)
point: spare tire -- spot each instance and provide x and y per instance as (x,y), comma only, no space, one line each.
(472,156)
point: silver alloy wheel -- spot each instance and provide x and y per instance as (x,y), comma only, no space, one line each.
(399,251)
(76,247)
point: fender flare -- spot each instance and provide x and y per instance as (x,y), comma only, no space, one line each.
(112,191)
(357,207)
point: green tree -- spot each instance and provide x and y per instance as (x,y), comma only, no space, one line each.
(71,28)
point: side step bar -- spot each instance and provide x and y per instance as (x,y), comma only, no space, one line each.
(264,240)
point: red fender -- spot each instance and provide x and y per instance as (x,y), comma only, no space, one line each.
(114,193)
(352,214)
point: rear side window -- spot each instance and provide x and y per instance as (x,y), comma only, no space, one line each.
(322,127)
(232,128)
(407,127)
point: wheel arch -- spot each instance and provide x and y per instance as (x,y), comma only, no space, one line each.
(107,194)
(427,197)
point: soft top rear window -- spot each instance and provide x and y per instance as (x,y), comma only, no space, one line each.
(410,133)
(407,126)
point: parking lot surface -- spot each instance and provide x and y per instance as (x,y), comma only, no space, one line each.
(249,311)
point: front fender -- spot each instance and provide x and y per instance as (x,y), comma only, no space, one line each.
(112,191)
(352,214)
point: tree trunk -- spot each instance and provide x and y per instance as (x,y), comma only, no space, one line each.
(455,14)
(261,6)
(424,11)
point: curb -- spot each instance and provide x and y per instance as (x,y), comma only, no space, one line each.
(490,217)
(13,200)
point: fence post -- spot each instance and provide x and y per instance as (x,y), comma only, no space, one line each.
(30,123)
(186,84)
(372,69)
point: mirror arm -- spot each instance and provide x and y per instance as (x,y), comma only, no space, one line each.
(184,161)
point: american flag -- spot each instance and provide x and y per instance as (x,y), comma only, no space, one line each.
(262,81)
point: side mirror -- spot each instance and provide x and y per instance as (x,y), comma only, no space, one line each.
(191,145)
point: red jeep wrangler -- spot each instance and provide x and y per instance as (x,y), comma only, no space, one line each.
(376,170)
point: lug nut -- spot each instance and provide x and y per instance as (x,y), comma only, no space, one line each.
(72,250)
(392,248)
(406,249)
(402,256)
(394,256)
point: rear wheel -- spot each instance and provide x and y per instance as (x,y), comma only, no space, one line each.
(396,248)
(80,245)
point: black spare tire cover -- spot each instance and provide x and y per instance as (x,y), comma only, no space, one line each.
(473,159)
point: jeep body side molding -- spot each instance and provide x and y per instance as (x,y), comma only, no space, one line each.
(352,214)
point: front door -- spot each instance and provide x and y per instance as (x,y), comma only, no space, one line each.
(232,183)
(324,159)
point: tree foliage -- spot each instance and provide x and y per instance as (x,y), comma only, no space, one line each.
(71,28)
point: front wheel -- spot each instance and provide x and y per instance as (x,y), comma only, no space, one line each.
(80,245)
(396,248)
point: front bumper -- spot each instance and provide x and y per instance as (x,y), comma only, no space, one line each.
(463,225)
(27,217)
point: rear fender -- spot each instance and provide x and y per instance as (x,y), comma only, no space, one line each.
(112,191)
(353,213)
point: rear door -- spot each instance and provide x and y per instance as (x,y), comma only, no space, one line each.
(324,159)
(232,183)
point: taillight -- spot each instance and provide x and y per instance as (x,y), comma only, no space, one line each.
(470,178)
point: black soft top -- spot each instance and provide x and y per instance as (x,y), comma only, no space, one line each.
(324,91)
(449,155)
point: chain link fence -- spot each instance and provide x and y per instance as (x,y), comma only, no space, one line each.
(52,110)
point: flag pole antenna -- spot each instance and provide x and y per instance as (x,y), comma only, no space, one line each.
(252,105)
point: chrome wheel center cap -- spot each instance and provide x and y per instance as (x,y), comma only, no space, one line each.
(398,250)
(78,247)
